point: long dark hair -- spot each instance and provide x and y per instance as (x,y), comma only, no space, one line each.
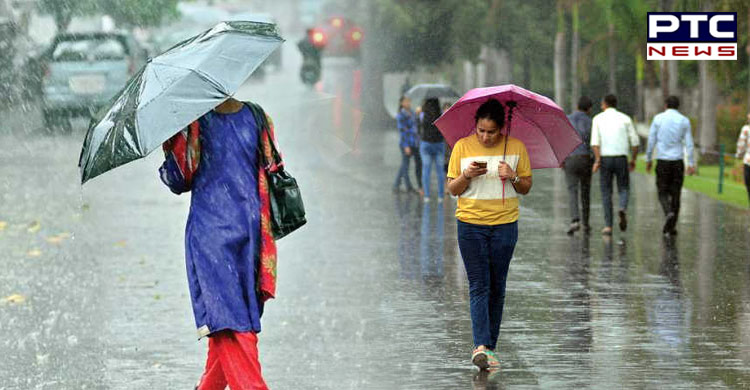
(431,109)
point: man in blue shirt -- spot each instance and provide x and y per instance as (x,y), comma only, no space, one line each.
(578,168)
(670,134)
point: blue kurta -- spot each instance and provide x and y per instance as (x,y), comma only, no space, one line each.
(222,237)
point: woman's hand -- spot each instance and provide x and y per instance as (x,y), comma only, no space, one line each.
(505,171)
(474,170)
(407,151)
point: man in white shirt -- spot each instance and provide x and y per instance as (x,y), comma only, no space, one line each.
(670,136)
(613,137)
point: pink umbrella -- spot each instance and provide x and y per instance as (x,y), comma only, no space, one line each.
(536,120)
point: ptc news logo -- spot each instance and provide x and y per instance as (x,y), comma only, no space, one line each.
(692,36)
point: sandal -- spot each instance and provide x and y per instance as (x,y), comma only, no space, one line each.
(480,358)
(492,360)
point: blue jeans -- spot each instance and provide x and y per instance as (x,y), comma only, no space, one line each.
(486,251)
(403,171)
(614,167)
(432,153)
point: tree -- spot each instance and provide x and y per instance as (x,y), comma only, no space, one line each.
(575,45)
(63,11)
(141,13)
(709,96)
(144,13)
(559,53)
(611,45)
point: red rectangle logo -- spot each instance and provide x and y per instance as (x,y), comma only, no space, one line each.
(691,51)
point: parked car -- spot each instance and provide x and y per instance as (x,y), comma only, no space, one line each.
(83,71)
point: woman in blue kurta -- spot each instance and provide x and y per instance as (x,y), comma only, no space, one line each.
(222,240)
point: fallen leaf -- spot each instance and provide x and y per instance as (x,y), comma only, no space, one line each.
(54,239)
(85,207)
(121,243)
(157,297)
(42,359)
(3,225)
(34,227)
(15,299)
(58,238)
(34,253)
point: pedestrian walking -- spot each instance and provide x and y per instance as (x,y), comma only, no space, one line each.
(743,152)
(670,134)
(407,128)
(432,148)
(229,246)
(487,213)
(577,168)
(613,137)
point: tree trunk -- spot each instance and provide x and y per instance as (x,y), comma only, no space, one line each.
(709,95)
(612,82)
(527,72)
(639,76)
(668,77)
(748,53)
(62,21)
(559,58)
(575,84)
(674,77)
(664,79)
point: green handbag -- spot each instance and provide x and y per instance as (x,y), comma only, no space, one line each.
(287,209)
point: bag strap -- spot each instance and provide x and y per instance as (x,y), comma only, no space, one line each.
(262,122)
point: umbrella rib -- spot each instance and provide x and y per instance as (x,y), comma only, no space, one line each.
(198,72)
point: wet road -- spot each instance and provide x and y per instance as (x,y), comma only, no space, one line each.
(372,293)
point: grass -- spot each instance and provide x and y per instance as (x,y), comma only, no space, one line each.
(706,181)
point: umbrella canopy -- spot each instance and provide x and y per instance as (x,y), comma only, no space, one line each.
(537,121)
(420,92)
(174,89)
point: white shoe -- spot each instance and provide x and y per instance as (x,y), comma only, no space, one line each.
(426,200)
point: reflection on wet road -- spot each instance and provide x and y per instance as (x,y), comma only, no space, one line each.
(372,292)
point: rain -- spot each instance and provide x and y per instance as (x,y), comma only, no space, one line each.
(372,291)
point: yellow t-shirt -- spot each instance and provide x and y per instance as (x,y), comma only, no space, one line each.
(482,203)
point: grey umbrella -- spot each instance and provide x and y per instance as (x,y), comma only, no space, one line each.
(174,89)
(420,92)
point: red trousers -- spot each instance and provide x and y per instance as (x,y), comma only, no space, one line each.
(232,360)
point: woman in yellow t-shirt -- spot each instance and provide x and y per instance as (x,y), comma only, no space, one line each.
(487,171)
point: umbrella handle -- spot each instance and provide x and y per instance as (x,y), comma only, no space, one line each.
(511,105)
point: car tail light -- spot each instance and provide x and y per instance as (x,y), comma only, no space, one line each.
(318,38)
(355,36)
(337,22)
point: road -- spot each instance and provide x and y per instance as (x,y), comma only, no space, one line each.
(372,292)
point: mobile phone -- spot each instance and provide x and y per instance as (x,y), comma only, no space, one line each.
(481,164)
